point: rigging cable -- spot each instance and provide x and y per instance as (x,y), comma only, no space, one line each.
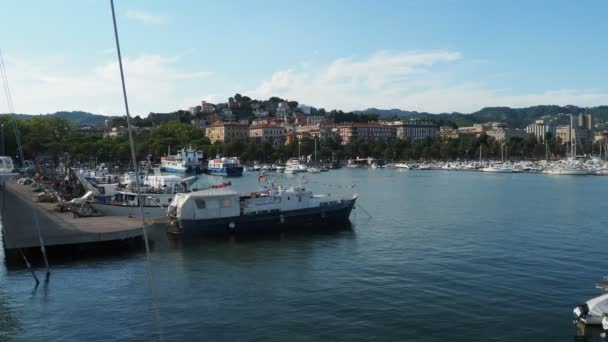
(137,179)
(9,100)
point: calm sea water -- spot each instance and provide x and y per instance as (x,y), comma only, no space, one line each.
(446,256)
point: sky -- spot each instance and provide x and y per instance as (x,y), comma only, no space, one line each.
(423,55)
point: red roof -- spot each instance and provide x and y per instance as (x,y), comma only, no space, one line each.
(365,125)
(265,126)
(222,124)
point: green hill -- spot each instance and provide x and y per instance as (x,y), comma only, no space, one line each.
(76,117)
(514,117)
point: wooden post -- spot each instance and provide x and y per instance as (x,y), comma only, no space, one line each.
(29,267)
(41,240)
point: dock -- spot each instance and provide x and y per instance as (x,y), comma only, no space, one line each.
(20,211)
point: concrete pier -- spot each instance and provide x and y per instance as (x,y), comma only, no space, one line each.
(18,210)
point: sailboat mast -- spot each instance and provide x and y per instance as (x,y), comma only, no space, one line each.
(315,151)
(571,140)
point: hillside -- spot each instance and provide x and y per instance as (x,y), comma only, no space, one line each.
(76,117)
(514,117)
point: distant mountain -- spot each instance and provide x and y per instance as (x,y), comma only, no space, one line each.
(76,117)
(514,117)
(386,112)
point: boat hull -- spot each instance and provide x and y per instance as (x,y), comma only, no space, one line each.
(274,221)
(227,171)
(109,209)
(567,172)
(189,169)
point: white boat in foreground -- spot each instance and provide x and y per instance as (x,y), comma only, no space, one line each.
(595,310)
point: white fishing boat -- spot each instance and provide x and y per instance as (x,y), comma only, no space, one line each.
(185,161)
(402,166)
(157,192)
(229,167)
(225,211)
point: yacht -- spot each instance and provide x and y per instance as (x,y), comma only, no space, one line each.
(497,168)
(294,165)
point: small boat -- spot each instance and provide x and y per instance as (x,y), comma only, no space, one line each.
(595,310)
(313,170)
(228,167)
(402,166)
(498,169)
(566,171)
(295,165)
(7,169)
(291,169)
(280,169)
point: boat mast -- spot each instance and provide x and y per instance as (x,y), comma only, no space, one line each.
(315,151)
(131,143)
(572,150)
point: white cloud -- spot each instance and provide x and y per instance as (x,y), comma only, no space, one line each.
(145,17)
(406,80)
(154,83)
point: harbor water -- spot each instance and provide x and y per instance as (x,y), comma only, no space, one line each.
(445,256)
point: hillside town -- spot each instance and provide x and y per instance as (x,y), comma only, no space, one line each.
(282,122)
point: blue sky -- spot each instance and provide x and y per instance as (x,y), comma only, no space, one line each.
(415,55)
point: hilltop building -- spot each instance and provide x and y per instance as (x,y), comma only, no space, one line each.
(539,129)
(585,121)
(578,134)
(366,132)
(267,132)
(227,132)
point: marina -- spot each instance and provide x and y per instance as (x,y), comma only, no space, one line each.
(348,271)
(359,190)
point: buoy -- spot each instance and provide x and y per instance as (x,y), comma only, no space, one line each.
(232,225)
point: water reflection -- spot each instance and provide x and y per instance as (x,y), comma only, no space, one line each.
(9,325)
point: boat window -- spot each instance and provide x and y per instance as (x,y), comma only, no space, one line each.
(225,203)
(200,203)
(169,200)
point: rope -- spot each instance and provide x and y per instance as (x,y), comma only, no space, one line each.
(137,180)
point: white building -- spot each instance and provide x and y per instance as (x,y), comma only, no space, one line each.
(539,129)
(260,113)
(282,109)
